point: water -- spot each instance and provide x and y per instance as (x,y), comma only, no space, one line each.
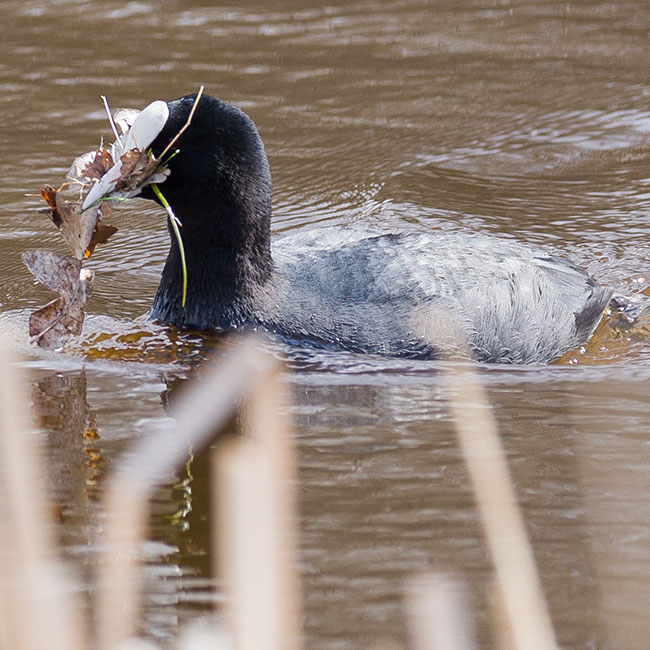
(527,120)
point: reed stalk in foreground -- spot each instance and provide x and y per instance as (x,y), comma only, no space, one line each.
(38,602)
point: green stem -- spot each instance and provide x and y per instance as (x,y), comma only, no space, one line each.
(175,223)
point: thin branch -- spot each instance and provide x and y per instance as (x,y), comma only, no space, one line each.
(189,119)
(110,118)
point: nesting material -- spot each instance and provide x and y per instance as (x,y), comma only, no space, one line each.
(114,173)
(51,325)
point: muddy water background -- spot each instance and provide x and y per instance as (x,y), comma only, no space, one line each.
(527,120)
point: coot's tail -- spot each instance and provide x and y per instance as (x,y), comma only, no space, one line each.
(627,311)
(589,316)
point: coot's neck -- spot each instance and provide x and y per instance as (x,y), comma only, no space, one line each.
(226,238)
(219,186)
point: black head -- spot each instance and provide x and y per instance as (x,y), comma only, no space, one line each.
(220,159)
(220,188)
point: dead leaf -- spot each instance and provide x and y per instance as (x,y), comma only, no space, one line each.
(76,227)
(101,235)
(90,167)
(123,118)
(82,231)
(57,273)
(137,168)
(130,162)
(52,325)
(49,196)
(100,164)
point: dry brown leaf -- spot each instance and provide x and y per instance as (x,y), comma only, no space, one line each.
(56,272)
(100,164)
(123,118)
(130,161)
(76,227)
(90,167)
(137,167)
(49,196)
(82,231)
(101,235)
(52,325)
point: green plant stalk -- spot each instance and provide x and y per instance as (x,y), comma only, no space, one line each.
(175,222)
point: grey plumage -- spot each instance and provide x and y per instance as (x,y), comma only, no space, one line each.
(391,294)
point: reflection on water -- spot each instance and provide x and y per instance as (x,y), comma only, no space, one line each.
(527,120)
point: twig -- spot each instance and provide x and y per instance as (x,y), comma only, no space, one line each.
(183,129)
(110,118)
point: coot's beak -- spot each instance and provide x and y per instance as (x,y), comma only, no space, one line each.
(144,130)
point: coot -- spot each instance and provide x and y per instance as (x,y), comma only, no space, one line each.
(403,295)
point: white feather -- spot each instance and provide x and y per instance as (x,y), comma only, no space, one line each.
(146,126)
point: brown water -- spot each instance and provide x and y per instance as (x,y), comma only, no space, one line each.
(527,120)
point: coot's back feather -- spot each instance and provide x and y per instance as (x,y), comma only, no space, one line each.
(380,293)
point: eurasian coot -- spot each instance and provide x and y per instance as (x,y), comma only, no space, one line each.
(404,295)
